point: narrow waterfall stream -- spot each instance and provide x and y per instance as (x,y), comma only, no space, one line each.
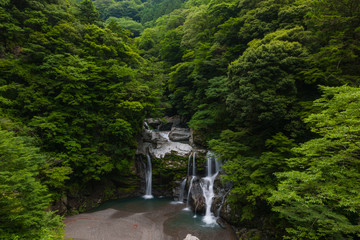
(207,186)
(193,175)
(189,191)
(182,191)
(194,165)
(148,179)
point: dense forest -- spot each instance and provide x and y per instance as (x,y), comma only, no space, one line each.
(272,86)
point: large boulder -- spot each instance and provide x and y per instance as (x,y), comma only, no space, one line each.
(158,144)
(164,124)
(153,123)
(197,138)
(180,134)
(191,237)
(175,120)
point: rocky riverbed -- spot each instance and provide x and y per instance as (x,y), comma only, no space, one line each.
(139,219)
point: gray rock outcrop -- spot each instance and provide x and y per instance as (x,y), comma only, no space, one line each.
(191,237)
(179,134)
(160,143)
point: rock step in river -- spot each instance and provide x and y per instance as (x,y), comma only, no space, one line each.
(141,219)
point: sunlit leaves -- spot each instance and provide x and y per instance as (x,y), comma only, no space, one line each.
(195,27)
(320,195)
(23,199)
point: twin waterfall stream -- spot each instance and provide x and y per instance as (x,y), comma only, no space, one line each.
(213,165)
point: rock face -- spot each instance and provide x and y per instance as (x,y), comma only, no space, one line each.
(196,138)
(92,194)
(179,134)
(159,143)
(153,123)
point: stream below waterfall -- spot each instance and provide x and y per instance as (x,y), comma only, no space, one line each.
(142,219)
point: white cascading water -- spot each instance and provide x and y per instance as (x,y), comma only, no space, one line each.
(182,191)
(194,165)
(189,164)
(209,165)
(148,179)
(207,186)
(188,196)
(193,175)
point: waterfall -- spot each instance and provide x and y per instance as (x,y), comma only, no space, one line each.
(148,179)
(207,186)
(194,165)
(188,196)
(192,173)
(209,166)
(189,164)
(182,191)
(211,162)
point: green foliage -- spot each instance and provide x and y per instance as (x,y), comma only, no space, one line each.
(88,12)
(23,198)
(195,27)
(245,74)
(78,87)
(123,9)
(212,116)
(127,23)
(319,195)
(241,72)
(171,49)
(253,176)
(263,81)
(213,34)
(154,9)
(335,60)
